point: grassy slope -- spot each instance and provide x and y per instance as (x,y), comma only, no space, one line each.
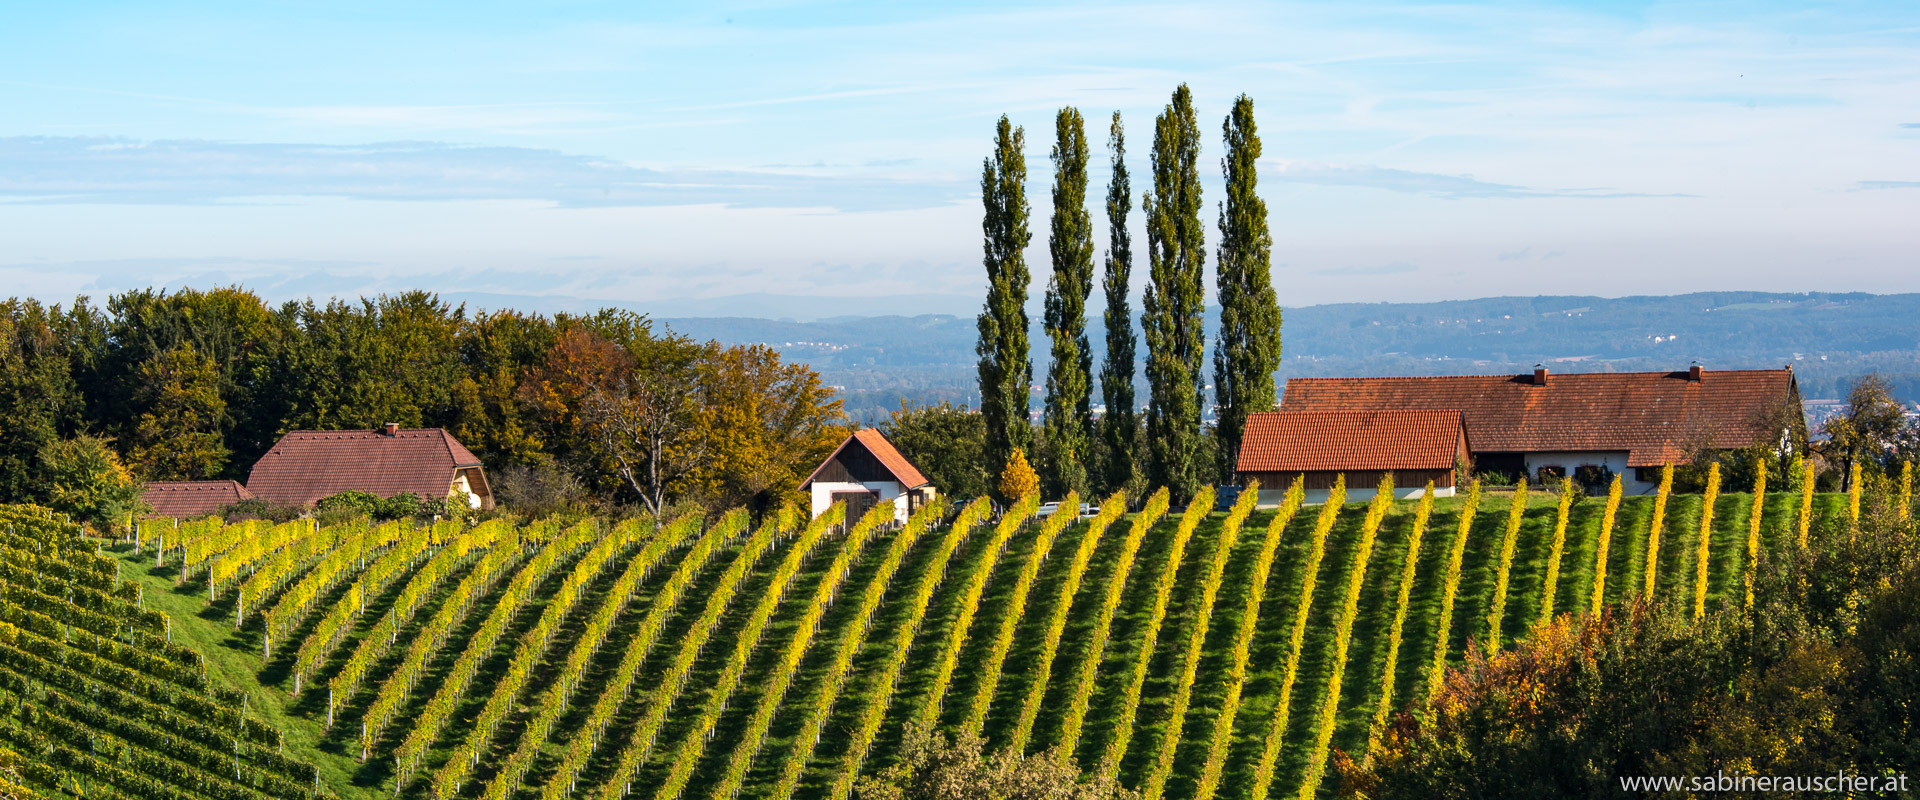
(234,656)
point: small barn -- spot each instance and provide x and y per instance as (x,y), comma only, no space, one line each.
(305,466)
(190,499)
(1319,446)
(863,471)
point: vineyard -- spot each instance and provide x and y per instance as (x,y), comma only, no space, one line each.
(728,657)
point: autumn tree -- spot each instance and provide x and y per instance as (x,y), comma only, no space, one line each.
(1118,427)
(1248,349)
(179,434)
(768,424)
(1018,480)
(934,767)
(631,400)
(1171,316)
(1005,369)
(1070,372)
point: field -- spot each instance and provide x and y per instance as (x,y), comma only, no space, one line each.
(725,659)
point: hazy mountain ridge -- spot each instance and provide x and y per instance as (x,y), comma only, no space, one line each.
(1828,338)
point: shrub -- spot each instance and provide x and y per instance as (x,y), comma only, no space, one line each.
(87,482)
(1018,480)
(933,767)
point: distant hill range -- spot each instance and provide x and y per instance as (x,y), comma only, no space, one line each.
(1829,339)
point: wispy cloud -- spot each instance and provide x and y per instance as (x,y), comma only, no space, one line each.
(1431,184)
(47,170)
(1395,268)
(1887,185)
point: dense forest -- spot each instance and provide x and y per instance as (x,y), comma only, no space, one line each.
(194,384)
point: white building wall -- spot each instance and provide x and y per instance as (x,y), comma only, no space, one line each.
(1271,498)
(885,491)
(1616,461)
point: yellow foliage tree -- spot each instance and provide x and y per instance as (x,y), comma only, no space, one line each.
(1018,480)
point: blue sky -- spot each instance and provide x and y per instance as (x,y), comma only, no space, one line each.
(645,152)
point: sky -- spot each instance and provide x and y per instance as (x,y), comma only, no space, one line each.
(657,152)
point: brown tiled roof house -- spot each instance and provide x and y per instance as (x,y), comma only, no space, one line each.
(184,499)
(1623,422)
(864,470)
(305,466)
(1316,447)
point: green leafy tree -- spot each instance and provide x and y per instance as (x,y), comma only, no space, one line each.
(179,435)
(1248,350)
(1867,432)
(86,480)
(252,347)
(1070,373)
(497,350)
(39,399)
(947,443)
(386,359)
(1006,370)
(1171,319)
(1118,428)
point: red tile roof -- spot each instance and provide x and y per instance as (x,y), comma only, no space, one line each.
(182,499)
(903,470)
(1350,441)
(305,466)
(1655,416)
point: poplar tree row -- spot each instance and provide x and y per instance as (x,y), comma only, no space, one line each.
(1247,346)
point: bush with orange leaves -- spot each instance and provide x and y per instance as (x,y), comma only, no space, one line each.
(1819,676)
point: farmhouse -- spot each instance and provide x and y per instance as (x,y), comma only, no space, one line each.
(305,466)
(1626,423)
(183,499)
(865,470)
(1319,446)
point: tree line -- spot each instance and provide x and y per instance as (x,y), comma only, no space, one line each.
(1169,446)
(197,384)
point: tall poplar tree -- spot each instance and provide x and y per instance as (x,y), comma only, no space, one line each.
(1117,428)
(1171,317)
(1248,350)
(1070,373)
(1005,368)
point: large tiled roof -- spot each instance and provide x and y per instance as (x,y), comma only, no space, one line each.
(1655,416)
(305,466)
(1350,441)
(903,470)
(182,499)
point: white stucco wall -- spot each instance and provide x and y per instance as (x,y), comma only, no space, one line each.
(462,488)
(1271,498)
(886,491)
(1612,460)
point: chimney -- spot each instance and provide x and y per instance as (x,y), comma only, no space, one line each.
(1693,372)
(1539,374)
(391,428)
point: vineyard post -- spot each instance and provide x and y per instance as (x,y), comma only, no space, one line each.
(1606,541)
(1653,529)
(1701,556)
